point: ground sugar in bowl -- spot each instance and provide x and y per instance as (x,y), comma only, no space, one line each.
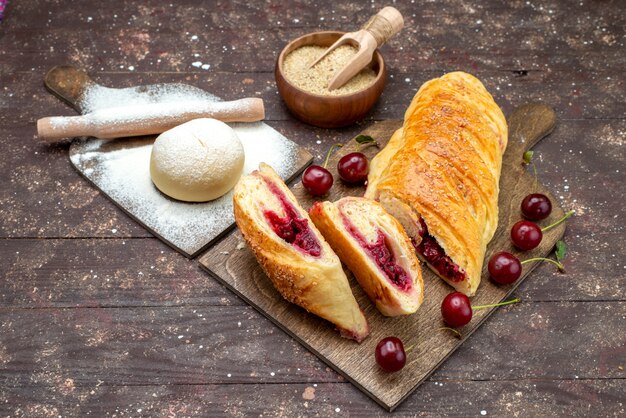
(304,90)
(298,70)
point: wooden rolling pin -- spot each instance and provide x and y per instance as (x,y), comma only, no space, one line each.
(147,119)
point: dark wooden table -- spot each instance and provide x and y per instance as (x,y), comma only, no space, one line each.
(99,318)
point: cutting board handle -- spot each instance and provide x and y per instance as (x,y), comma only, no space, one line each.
(68,83)
(528,124)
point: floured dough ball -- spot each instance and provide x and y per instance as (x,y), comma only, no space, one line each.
(197,161)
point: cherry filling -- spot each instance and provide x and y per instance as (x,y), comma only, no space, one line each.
(291,228)
(380,252)
(432,252)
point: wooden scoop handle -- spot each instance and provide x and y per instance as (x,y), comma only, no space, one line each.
(384,24)
(146,119)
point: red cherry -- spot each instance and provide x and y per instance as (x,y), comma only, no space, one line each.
(317,180)
(536,206)
(353,167)
(504,268)
(456,309)
(390,354)
(526,235)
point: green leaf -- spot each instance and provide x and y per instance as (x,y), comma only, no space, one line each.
(365,139)
(528,157)
(561,250)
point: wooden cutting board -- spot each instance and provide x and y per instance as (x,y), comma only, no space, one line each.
(120,168)
(233,264)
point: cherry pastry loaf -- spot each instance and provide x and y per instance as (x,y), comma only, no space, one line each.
(376,249)
(292,252)
(439,175)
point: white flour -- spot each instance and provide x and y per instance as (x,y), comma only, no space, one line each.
(157,114)
(197,146)
(120,168)
(197,161)
(98,97)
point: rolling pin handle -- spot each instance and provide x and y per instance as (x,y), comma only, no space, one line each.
(57,128)
(255,109)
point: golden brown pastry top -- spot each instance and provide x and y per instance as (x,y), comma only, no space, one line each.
(446,166)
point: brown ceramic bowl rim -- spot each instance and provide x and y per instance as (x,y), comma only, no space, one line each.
(377,57)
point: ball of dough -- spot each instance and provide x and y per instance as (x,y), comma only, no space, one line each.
(197,161)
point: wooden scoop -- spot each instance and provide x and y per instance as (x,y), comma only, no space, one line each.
(152,118)
(372,35)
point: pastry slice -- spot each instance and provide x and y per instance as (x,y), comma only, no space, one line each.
(293,253)
(439,176)
(376,249)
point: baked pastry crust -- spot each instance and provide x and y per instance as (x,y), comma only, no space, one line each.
(371,221)
(444,166)
(315,283)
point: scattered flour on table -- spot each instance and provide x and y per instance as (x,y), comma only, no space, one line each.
(199,64)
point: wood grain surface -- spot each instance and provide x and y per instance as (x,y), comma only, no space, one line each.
(235,266)
(67,254)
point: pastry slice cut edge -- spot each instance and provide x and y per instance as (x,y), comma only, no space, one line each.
(432,176)
(436,258)
(292,252)
(377,250)
(430,248)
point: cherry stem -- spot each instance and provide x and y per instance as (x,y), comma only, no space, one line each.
(567,215)
(409,348)
(556,263)
(508,302)
(458,334)
(329,151)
